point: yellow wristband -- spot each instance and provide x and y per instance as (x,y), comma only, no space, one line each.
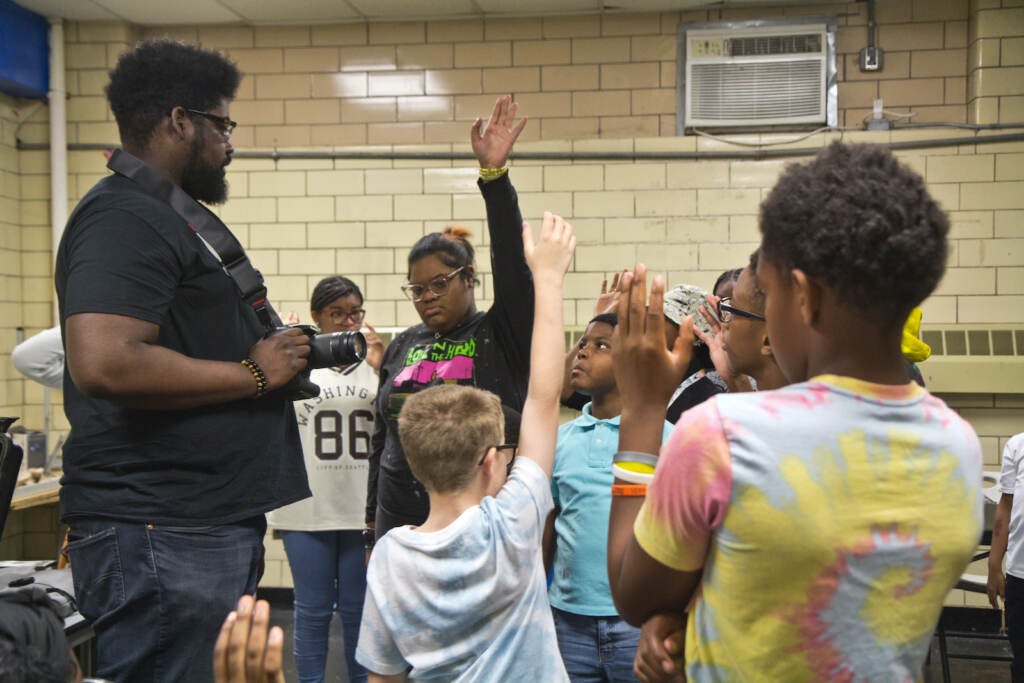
(489,174)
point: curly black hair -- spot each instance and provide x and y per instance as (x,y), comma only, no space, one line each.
(158,75)
(863,224)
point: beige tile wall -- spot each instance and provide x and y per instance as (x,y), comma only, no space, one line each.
(11,284)
(995,61)
(588,84)
(687,219)
(32,534)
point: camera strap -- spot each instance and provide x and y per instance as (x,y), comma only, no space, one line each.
(210,229)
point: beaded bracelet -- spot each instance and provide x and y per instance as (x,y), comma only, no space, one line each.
(258,374)
(629,490)
(489,174)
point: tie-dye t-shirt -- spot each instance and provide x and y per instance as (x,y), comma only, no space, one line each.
(468,602)
(830,518)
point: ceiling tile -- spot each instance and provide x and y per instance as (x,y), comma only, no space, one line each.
(176,12)
(281,12)
(76,10)
(164,12)
(409,9)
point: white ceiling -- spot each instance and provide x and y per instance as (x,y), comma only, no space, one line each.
(254,12)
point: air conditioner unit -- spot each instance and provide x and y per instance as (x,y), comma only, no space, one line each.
(762,76)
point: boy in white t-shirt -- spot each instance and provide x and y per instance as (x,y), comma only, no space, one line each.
(1008,541)
(463,596)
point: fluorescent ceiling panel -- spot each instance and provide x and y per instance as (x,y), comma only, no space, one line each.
(404,9)
(657,5)
(534,7)
(286,12)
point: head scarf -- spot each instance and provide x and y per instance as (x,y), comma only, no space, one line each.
(684,300)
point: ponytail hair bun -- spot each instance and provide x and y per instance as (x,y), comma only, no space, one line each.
(451,245)
(458,232)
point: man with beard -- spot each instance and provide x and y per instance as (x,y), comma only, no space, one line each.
(180,437)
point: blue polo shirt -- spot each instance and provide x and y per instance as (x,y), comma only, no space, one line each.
(581,484)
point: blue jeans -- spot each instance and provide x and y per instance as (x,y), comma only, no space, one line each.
(329,569)
(596,649)
(156,596)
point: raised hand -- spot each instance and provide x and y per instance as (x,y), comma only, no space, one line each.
(646,371)
(551,253)
(714,340)
(608,299)
(492,143)
(374,346)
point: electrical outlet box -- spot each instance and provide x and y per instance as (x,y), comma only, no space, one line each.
(871,59)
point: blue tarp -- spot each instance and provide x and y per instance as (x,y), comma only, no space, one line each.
(24,52)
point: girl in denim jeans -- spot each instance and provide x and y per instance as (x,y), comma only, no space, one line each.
(322,535)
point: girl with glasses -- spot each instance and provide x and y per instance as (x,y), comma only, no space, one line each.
(323,535)
(455,342)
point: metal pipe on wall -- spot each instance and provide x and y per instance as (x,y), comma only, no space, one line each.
(58,137)
(58,167)
(756,154)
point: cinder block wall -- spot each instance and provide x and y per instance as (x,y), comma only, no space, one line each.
(11,386)
(588,83)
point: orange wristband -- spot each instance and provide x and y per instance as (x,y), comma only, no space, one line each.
(629,490)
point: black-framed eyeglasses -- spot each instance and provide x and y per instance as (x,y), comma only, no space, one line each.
(226,125)
(438,286)
(355,316)
(726,311)
(500,448)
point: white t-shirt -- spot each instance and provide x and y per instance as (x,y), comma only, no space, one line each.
(1011,481)
(41,358)
(335,429)
(468,602)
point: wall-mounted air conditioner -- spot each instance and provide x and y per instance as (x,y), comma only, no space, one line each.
(761,75)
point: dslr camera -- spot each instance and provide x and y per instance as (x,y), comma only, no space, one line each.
(325,351)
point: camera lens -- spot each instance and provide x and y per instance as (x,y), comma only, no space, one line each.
(336,349)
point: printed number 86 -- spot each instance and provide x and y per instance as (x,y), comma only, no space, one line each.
(329,431)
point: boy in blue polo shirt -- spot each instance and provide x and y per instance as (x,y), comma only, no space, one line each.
(596,644)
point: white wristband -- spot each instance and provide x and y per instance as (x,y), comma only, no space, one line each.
(631,476)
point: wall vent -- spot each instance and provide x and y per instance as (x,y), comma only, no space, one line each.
(969,342)
(763,75)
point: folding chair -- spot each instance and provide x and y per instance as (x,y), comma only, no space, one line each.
(974,583)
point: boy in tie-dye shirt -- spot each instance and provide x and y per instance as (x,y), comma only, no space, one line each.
(813,531)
